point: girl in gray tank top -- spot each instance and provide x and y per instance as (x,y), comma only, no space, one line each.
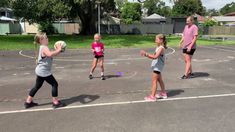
(44,64)
(43,71)
(157,65)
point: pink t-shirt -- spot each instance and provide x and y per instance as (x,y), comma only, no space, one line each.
(188,34)
(98,47)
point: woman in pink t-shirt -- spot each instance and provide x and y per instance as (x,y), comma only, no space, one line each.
(188,45)
(97,49)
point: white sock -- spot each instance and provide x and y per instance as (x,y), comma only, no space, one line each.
(90,73)
(102,73)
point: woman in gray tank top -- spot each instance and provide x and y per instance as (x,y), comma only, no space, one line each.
(43,71)
(158,62)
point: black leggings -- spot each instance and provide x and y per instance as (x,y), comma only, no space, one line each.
(39,81)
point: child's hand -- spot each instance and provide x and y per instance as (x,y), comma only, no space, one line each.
(142,53)
(180,45)
(58,47)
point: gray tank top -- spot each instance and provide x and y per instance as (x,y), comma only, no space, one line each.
(44,64)
(158,64)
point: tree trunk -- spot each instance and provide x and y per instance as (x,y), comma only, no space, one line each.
(88,19)
(88,25)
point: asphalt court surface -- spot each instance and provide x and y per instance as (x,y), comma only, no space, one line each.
(204,103)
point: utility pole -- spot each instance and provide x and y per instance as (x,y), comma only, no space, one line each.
(98,3)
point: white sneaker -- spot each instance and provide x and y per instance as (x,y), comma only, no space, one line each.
(161,95)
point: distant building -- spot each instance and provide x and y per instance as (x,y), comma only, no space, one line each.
(154,19)
(222,20)
(200,19)
(6,15)
(6,12)
(230,14)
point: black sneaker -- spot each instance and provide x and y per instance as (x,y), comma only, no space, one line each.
(29,105)
(192,75)
(102,77)
(184,77)
(60,104)
(90,77)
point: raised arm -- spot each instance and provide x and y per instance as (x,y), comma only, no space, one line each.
(152,56)
(48,53)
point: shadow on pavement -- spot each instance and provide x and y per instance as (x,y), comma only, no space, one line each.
(112,76)
(84,99)
(200,74)
(171,93)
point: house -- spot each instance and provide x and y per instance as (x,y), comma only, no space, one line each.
(222,20)
(154,19)
(6,15)
(6,12)
(8,25)
(6,19)
(230,14)
(200,19)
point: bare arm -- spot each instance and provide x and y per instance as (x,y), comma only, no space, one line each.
(48,53)
(181,41)
(193,41)
(152,56)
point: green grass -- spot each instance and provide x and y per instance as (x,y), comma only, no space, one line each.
(25,42)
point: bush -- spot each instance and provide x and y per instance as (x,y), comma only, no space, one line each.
(46,27)
(209,22)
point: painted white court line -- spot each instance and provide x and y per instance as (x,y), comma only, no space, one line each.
(114,103)
(20,53)
(77,60)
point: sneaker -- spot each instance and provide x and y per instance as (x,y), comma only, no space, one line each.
(191,75)
(29,105)
(60,104)
(184,77)
(102,77)
(161,95)
(150,98)
(90,77)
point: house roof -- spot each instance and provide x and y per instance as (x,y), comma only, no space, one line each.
(224,18)
(154,16)
(111,19)
(199,18)
(3,18)
(5,9)
(230,14)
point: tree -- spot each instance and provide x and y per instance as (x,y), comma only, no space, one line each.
(228,8)
(86,10)
(4,3)
(209,22)
(157,6)
(131,12)
(212,12)
(188,7)
(43,12)
(120,3)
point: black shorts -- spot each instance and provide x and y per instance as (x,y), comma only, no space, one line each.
(191,52)
(97,57)
(157,72)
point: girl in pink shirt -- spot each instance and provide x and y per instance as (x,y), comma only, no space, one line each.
(97,49)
